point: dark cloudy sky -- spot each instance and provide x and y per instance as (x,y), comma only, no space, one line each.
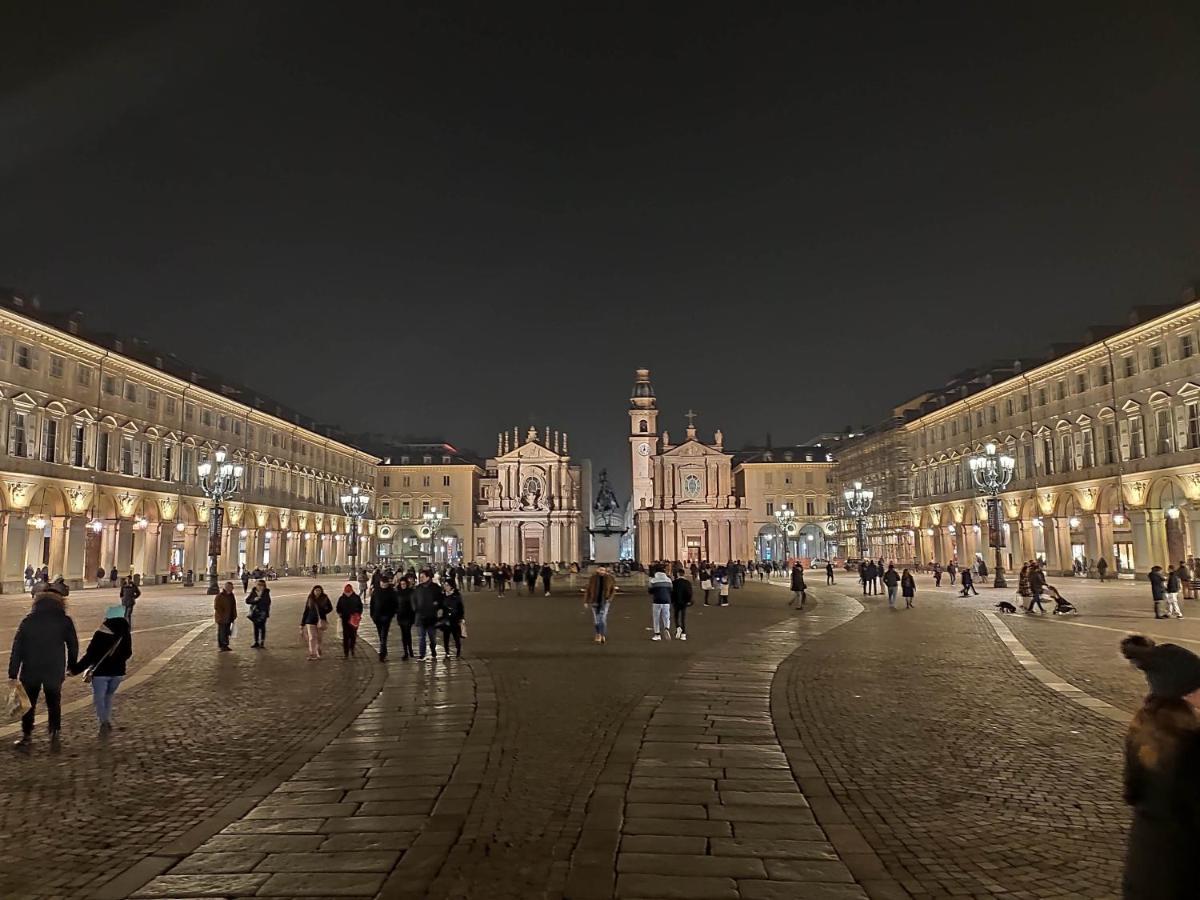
(447,217)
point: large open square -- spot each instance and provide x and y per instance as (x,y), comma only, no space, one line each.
(846,750)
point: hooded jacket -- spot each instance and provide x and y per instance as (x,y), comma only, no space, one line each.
(41,639)
(427,599)
(660,588)
(113,631)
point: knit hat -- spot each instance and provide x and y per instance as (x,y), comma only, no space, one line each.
(1170,670)
(114,612)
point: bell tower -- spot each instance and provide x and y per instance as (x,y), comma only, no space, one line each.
(643,439)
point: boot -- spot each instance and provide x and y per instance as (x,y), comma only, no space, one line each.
(55,742)
(22,744)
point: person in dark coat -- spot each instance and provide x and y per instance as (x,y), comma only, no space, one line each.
(454,615)
(406,615)
(531,577)
(129,595)
(681,599)
(44,646)
(799,588)
(1162,774)
(245,579)
(891,580)
(829,573)
(112,576)
(349,609)
(259,602)
(908,587)
(547,574)
(967,580)
(427,600)
(1158,590)
(108,651)
(385,603)
(224,613)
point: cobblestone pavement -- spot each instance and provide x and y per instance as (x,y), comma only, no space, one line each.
(965,776)
(197,735)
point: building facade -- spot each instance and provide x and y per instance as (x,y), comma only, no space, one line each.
(790,494)
(1106,443)
(102,442)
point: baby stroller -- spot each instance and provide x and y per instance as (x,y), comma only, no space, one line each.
(1062,606)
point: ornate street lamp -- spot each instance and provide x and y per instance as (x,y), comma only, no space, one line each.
(992,472)
(433,524)
(219,483)
(354,505)
(785,521)
(858,501)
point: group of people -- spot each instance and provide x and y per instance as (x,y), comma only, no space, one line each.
(873,575)
(1166,587)
(45,650)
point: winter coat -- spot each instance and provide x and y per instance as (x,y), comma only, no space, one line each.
(38,646)
(129,594)
(348,605)
(1166,809)
(1037,580)
(224,608)
(456,611)
(260,605)
(966,579)
(660,588)
(908,585)
(385,603)
(891,578)
(798,579)
(681,593)
(427,600)
(114,631)
(316,610)
(1173,582)
(600,589)
(406,612)
(1158,585)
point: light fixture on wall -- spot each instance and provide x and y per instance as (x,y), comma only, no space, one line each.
(1172,512)
(1074,521)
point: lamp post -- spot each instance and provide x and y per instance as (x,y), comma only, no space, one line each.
(354,505)
(785,521)
(992,472)
(219,483)
(433,524)
(858,501)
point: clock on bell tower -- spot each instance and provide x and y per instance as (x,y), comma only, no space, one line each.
(643,439)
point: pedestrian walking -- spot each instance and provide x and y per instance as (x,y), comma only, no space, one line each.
(406,615)
(245,579)
(1102,568)
(259,602)
(908,588)
(706,584)
(1037,585)
(547,574)
(1023,586)
(937,575)
(967,581)
(1162,759)
(799,588)
(598,595)
(384,605)
(952,571)
(44,646)
(129,595)
(427,600)
(891,579)
(681,599)
(349,610)
(454,616)
(1171,595)
(829,573)
(531,577)
(723,590)
(660,604)
(224,614)
(104,663)
(314,619)
(362,582)
(501,577)
(1158,590)
(100,577)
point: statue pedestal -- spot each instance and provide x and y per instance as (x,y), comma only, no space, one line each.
(606,545)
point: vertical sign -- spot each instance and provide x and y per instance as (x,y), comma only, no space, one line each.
(216,521)
(995,523)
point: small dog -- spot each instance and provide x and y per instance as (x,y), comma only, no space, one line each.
(1005,607)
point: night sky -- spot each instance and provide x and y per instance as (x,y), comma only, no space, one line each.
(448,218)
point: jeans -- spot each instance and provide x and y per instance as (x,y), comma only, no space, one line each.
(312,634)
(1037,598)
(382,626)
(891,595)
(600,615)
(406,637)
(223,629)
(260,632)
(800,595)
(53,704)
(680,617)
(427,632)
(660,617)
(103,689)
(455,631)
(349,637)
(129,614)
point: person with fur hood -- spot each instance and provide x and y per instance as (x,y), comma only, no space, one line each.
(660,604)
(1162,773)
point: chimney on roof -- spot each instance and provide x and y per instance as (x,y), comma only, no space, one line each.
(74,319)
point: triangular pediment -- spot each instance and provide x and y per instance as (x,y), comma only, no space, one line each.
(1189,389)
(694,448)
(530,450)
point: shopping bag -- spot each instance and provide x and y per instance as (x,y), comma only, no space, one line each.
(18,701)
(232,630)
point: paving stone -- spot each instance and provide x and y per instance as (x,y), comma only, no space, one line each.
(302,810)
(275,826)
(791,890)
(655,843)
(373,823)
(370,840)
(203,885)
(705,828)
(216,863)
(665,811)
(762,798)
(776,814)
(773,848)
(266,843)
(807,870)
(340,861)
(313,884)
(671,887)
(690,865)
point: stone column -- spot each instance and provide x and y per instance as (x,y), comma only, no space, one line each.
(1056,531)
(1193,531)
(151,545)
(195,554)
(1097,537)
(75,559)
(15,541)
(59,526)
(124,549)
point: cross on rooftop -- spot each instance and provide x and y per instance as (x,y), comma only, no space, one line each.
(690,416)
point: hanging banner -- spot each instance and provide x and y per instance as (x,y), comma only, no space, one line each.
(995,523)
(216,521)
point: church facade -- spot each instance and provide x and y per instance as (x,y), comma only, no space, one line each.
(684,502)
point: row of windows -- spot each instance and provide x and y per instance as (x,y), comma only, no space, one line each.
(810,507)
(405,508)
(1068,449)
(85,445)
(769,478)
(406,481)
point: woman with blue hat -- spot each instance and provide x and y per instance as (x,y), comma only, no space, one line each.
(104,663)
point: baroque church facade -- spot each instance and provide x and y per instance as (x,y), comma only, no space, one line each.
(684,500)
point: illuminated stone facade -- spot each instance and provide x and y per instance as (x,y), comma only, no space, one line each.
(102,439)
